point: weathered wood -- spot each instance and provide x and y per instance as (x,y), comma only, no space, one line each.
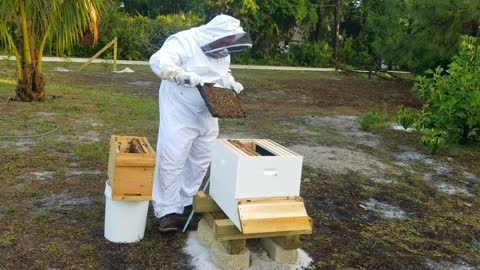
(204,203)
(234,246)
(288,241)
(244,148)
(84,65)
(115,53)
(224,229)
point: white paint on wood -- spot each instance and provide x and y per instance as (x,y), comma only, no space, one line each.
(236,175)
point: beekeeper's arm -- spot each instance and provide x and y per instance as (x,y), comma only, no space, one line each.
(232,84)
(166,62)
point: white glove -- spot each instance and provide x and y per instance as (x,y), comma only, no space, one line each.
(188,78)
(237,87)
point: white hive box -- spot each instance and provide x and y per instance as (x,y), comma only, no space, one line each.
(258,193)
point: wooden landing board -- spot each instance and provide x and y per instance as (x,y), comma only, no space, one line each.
(224,229)
(273,216)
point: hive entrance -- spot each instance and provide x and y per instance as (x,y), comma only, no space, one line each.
(221,102)
(126,144)
(250,148)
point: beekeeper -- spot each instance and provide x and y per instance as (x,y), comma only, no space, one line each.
(187,131)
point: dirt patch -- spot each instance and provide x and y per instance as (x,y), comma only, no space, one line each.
(347,95)
(45,114)
(445,265)
(91,136)
(70,172)
(93,123)
(223,103)
(22,145)
(443,177)
(451,189)
(62,201)
(347,125)
(470,176)
(42,175)
(382,180)
(386,210)
(414,156)
(340,160)
(141,83)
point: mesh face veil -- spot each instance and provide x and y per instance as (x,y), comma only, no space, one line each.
(224,46)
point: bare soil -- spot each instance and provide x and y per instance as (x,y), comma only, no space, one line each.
(368,211)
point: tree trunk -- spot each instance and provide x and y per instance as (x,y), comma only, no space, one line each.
(337,31)
(31,83)
(32,86)
(465,132)
(318,27)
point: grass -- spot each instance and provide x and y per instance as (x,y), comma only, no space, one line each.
(7,239)
(90,106)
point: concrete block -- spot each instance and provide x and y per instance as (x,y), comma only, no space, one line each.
(205,233)
(279,254)
(226,261)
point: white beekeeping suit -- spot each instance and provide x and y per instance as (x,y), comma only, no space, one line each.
(187,130)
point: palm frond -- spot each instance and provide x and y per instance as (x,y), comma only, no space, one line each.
(72,18)
(6,38)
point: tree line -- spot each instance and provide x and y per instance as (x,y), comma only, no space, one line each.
(411,34)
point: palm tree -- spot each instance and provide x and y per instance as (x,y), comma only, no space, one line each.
(27,26)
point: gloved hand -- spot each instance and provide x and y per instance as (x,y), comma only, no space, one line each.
(237,87)
(191,79)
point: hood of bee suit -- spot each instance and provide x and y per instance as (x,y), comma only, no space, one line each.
(222,36)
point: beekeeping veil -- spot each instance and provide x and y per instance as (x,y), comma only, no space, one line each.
(221,36)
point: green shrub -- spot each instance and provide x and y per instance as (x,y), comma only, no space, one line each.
(311,54)
(374,119)
(406,117)
(433,139)
(352,57)
(451,110)
(138,36)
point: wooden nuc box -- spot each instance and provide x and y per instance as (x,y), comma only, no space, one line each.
(256,183)
(131,165)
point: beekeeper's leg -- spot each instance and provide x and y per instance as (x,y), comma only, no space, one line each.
(197,165)
(174,144)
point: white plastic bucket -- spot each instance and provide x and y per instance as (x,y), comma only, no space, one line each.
(125,221)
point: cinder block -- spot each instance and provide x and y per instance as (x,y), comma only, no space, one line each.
(204,233)
(226,261)
(279,254)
